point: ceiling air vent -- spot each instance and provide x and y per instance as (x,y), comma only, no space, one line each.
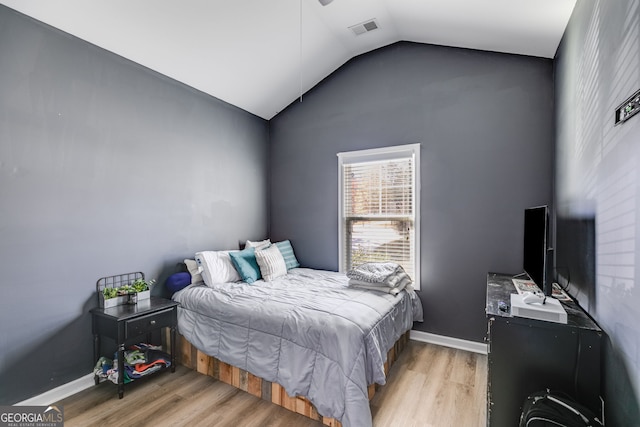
(364,27)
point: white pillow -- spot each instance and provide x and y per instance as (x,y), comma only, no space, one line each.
(271,263)
(217,267)
(194,271)
(259,244)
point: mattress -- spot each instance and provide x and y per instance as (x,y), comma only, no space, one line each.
(307,331)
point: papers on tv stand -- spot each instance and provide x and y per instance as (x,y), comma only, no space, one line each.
(551,311)
(559,293)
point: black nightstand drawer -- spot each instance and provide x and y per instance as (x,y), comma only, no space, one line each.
(148,323)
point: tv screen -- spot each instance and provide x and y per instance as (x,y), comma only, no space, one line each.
(536,224)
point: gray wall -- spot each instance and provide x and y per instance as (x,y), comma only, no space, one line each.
(105,168)
(598,183)
(485,121)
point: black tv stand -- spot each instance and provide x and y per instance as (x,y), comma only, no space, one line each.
(527,355)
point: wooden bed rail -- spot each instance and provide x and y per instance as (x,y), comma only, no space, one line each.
(192,358)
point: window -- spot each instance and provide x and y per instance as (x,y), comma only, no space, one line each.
(379,200)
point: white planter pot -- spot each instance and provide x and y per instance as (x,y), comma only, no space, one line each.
(144,295)
(112,302)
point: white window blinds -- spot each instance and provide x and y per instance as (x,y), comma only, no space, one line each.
(378,206)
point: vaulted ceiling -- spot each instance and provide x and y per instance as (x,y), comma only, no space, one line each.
(260,55)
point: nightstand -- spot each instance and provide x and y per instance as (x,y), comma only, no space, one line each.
(127,324)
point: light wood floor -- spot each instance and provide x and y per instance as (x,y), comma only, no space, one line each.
(429,386)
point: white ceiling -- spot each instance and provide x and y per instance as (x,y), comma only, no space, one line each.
(260,55)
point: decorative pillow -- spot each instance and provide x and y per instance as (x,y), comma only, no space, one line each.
(271,263)
(216,267)
(261,244)
(194,271)
(178,281)
(287,253)
(246,264)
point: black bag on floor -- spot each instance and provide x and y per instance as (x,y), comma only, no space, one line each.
(548,409)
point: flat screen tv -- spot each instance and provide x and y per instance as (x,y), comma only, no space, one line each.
(536,234)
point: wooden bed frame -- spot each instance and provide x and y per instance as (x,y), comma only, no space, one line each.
(192,358)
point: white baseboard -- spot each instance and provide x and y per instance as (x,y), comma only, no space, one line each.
(475,347)
(59,393)
(83,383)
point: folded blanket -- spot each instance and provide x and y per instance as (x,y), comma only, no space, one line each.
(383,274)
(376,287)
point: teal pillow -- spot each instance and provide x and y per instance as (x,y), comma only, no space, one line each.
(245,263)
(287,253)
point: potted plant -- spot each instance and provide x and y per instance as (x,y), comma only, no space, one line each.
(110,297)
(139,289)
(142,288)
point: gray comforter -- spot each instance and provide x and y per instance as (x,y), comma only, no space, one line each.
(307,331)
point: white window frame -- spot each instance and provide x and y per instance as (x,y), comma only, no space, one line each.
(386,153)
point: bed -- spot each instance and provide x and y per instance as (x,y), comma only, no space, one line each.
(307,332)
